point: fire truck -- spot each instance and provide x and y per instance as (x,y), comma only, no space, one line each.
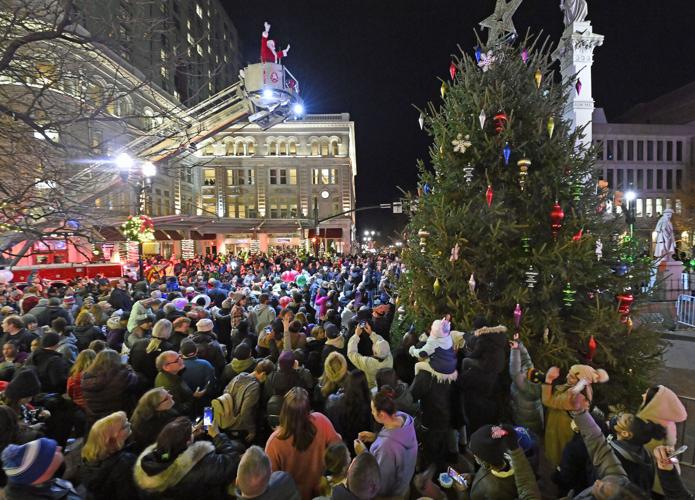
(66,272)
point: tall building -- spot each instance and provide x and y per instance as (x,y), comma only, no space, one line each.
(189,48)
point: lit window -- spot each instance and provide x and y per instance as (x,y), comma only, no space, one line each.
(323,176)
(648,207)
(199,49)
(188,24)
(164,72)
(190,39)
(679,206)
(199,11)
(638,207)
(163,54)
(659,206)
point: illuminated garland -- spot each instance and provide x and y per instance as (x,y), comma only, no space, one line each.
(139,228)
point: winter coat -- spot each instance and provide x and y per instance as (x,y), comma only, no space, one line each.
(368,364)
(107,392)
(527,408)
(110,478)
(145,432)
(67,346)
(22,339)
(54,489)
(440,352)
(198,374)
(396,452)
(86,334)
(203,466)
(280,381)
(575,472)
(435,400)
(559,400)
(74,390)
(604,460)
(210,349)
(518,482)
(179,390)
(489,348)
(261,316)
(143,362)
(237,408)
(476,398)
(235,367)
(280,487)
(44,318)
(666,409)
(51,368)
(637,462)
(120,299)
(345,422)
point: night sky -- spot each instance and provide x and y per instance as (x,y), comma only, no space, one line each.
(376,59)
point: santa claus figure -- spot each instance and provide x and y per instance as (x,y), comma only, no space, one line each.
(268,52)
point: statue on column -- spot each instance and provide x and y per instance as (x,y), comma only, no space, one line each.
(665,240)
(575,11)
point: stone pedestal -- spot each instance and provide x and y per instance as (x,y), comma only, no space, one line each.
(668,277)
(576,55)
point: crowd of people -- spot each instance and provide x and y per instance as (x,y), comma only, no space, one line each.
(275,377)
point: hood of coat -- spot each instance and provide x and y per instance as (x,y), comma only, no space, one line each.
(664,407)
(400,440)
(40,356)
(486,330)
(153,474)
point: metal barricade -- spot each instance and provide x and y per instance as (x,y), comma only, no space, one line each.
(686,433)
(685,310)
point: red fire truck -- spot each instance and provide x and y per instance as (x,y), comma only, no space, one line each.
(66,272)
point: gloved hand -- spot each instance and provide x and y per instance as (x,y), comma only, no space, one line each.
(511,440)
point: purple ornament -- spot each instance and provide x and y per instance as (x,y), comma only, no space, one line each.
(507,151)
(478,54)
(578,86)
(524,55)
(517,316)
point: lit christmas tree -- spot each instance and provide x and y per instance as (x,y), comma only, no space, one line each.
(509,223)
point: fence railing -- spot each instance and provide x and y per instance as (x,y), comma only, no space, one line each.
(685,310)
(686,433)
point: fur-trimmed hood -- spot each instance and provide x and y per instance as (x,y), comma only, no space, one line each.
(153,475)
(490,329)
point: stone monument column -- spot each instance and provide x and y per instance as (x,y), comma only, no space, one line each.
(576,55)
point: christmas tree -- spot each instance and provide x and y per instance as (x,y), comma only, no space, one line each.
(509,223)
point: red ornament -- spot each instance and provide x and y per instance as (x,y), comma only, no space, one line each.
(500,120)
(488,195)
(579,235)
(624,305)
(592,349)
(452,70)
(556,218)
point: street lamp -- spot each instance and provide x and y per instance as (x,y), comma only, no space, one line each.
(630,197)
(124,162)
(149,169)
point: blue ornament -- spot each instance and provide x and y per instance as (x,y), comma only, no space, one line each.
(72,224)
(507,153)
(478,54)
(620,269)
(427,188)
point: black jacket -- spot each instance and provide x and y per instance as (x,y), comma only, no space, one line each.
(111,478)
(85,335)
(145,432)
(143,362)
(54,489)
(435,400)
(21,339)
(44,318)
(203,469)
(120,299)
(209,348)
(51,368)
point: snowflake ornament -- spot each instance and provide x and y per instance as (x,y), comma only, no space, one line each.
(461,143)
(486,60)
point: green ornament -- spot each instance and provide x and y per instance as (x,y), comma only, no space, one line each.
(568,294)
(526,244)
(577,191)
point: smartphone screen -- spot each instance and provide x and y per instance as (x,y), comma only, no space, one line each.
(456,476)
(207,416)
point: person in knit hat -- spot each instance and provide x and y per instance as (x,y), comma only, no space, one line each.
(437,354)
(575,393)
(381,353)
(242,362)
(30,468)
(24,386)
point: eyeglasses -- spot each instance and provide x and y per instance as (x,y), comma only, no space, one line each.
(178,357)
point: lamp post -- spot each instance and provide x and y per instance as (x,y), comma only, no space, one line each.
(630,197)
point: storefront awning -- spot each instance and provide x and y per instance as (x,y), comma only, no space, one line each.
(110,233)
(174,235)
(328,232)
(195,235)
(160,235)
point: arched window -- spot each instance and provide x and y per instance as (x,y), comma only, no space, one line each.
(292,148)
(324,148)
(148,119)
(315,151)
(250,148)
(272,148)
(282,148)
(335,147)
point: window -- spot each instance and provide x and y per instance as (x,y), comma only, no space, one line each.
(669,180)
(638,208)
(668,203)
(658,206)
(208,177)
(324,149)
(619,183)
(293,148)
(679,179)
(660,151)
(240,177)
(315,151)
(669,150)
(190,39)
(163,54)
(650,150)
(630,178)
(240,209)
(272,148)
(164,72)
(679,206)
(199,11)
(621,150)
(199,49)
(323,176)
(599,149)
(188,24)
(679,151)
(640,178)
(659,179)
(640,150)
(630,150)
(650,179)
(609,150)
(283,209)
(609,178)
(283,176)
(648,207)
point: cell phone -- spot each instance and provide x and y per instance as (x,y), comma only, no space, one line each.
(672,456)
(207,416)
(453,474)
(362,324)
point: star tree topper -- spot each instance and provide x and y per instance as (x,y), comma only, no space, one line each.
(501,20)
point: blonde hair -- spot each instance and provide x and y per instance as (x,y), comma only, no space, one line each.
(147,405)
(85,318)
(84,359)
(102,440)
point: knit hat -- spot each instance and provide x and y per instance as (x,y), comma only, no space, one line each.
(440,328)
(53,302)
(331,372)
(180,303)
(487,448)
(25,464)
(286,360)
(25,384)
(242,351)
(204,325)
(188,348)
(50,339)
(382,349)
(28,319)
(69,300)
(593,375)
(332,331)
